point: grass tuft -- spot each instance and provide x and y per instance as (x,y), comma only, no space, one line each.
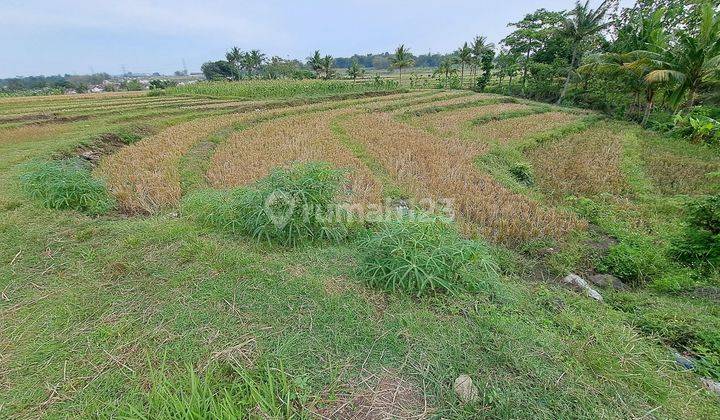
(66,184)
(289,207)
(423,255)
(221,393)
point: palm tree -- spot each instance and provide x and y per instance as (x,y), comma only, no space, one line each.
(355,70)
(315,62)
(234,57)
(446,67)
(401,59)
(465,57)
(582,24)
(690,63)
(326,66)
(479,47)
(253,60)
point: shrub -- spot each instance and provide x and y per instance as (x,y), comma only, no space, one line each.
(423,254)
(289,207)
(66,184)
(700,242)
(634,260)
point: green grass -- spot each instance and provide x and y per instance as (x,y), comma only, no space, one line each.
(421,254)
(128,316)
(277,89)
(290,206)
(66,184)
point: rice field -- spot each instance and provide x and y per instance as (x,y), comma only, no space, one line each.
(100,314)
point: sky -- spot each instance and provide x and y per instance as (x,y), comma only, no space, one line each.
(142,36)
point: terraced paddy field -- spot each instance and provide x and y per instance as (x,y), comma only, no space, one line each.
(144,294)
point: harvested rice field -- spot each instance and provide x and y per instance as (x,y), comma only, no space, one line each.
(345,252)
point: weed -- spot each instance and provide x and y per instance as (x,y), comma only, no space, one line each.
(66,184)
(421,255)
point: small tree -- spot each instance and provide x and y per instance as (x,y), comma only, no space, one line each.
(401,59)
(316,63)
(326,66)
(355,71)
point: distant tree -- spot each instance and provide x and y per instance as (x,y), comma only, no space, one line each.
(316,63)
(486,64)
(465,58)
(401,59)
(219,70)
(582,24)
(532,33)
(479,47)
(252,62)
(507,64)
(326,65)
(355,71)
(446,67)
(235,57)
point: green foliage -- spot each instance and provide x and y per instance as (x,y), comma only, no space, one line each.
(700,242)
(66,184)
(161,84)
(280,89)
(633,260)
(421,254)
(221,393)
(289,206)
(698,125)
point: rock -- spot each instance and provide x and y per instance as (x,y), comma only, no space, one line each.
(464,388)
(685,362)
(710,385)
(607,280)
(580,284)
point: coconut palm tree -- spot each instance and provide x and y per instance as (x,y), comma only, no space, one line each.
(465,57)
(252,61)
(355,70)
(446,67)
(326,66)
(691,62)
(315,62)
(479,47)
(582,23)
(401,59)
(234,57)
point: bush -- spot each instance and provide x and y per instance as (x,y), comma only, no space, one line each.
(700,124)
(289,207)
(700,242)
(421,255)
(633,260)
(66,184)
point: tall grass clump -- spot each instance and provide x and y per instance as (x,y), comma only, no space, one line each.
(290,206)
(66,184)
(424,254)
(700,243)
(221,393)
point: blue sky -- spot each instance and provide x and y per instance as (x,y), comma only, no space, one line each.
(75,36)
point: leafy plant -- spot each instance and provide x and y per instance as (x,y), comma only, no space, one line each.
(700,242)
(66,184)
(698,127)
(289,207)
(424,254)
